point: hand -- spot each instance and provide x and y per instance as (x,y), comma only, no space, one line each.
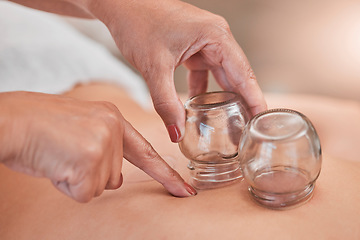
(78,145)
(158,36)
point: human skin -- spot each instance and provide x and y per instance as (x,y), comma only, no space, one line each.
(154,36)
(336,121)
(79,145)
(30,208)
(158,36)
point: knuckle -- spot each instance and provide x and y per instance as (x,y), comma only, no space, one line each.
(161,106)
(251,74)
(110,106)
(150,155)
(83,197)
(104,133)
(165,106)
(219,26)
(222,23)
(107,124)
(150,158)
(110,112)
(171,175)
(245,83)
(92,153)
(113,119)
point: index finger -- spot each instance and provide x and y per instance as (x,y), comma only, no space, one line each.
(139,152)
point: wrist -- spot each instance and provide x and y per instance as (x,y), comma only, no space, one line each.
(10,130)
(99,8)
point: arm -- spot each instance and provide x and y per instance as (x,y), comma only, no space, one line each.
(56,6)
(158,36)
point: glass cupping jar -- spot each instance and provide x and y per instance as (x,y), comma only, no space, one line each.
(280,156)
(214,124)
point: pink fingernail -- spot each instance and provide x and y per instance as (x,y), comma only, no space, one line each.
(174,133)
(190,189)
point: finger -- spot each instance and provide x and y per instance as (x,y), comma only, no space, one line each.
(220,76)
(139,152)
(198,74)
(63,187)
(85,189)
(115,185)
(115,178)
(102,171)
(242,78)
(75,192)
(197,82)
(166,101)
(77,183)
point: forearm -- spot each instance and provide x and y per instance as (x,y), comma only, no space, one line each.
(10,130)
(67,8)
(81,8)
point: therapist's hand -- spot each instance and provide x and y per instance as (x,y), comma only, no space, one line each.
(78,145)
(157,36)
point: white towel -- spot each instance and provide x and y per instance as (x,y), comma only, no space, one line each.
(41,52)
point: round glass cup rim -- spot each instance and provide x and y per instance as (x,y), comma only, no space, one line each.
(235,99)
(288,110)
(282,110)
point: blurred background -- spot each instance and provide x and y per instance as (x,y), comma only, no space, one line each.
(296,46)
(293,46)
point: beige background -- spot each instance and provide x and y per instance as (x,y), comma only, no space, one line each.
(293,46)
(296,46)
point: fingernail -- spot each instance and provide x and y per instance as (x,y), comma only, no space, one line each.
(174,133)
(190,189)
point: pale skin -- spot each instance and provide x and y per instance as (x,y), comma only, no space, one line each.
(78,145)
(86,141)
(30,208)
